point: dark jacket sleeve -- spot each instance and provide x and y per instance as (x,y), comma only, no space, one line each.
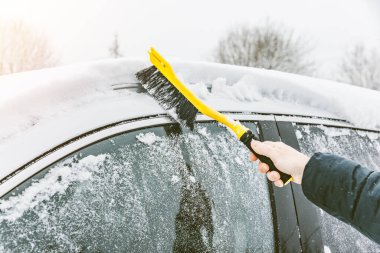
(346,190)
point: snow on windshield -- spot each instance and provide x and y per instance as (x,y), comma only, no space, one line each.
(361,146)
(132,193)
(55,182)
(148,138)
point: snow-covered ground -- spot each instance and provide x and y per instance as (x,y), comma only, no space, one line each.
(42,109)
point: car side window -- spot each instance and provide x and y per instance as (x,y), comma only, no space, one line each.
(361,146)
(149,190)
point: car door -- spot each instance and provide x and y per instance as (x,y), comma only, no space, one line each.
(312,135)
(149,186)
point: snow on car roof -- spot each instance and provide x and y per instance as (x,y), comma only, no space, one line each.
(42,109)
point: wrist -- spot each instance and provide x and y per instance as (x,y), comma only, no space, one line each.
(300,168)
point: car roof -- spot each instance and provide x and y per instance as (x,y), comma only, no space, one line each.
(42,109)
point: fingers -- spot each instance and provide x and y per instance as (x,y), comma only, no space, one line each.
(263,168)
(273,176)
(279,183)
(268,149)
(252,157)
(263,148)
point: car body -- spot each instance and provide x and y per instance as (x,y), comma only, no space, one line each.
(91,163)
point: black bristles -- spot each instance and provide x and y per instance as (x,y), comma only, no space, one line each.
(167,95)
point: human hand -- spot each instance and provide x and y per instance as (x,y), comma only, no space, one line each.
(284,157)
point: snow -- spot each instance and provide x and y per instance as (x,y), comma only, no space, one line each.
(203,131)
(326,249)
(371,135)
(135,179)
(56,181)
(357,105)
(175,179)
(42,109)
(298,134)
(28,98)
(148,138)
(241,90)
(238,161)
(355,146)
(200,89)
(334,132)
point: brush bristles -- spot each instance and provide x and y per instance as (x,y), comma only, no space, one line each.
(167,95)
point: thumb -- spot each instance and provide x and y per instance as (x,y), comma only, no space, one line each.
(262,148)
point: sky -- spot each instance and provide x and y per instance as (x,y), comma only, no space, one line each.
(189,30)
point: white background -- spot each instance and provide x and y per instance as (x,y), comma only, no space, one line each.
(189,30)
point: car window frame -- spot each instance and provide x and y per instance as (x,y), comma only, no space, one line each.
(54,154)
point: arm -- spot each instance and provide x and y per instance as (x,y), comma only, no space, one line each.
(341,187)
(346,190)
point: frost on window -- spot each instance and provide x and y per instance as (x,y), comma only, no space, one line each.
(146,191)
(358,145)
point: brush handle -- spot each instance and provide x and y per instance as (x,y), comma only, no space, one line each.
(247,138)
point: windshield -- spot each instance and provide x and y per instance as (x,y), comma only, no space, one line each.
(150,190)
(361,146)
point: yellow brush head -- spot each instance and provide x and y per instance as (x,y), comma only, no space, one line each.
(161,80)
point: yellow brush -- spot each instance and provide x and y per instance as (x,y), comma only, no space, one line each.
(161,82)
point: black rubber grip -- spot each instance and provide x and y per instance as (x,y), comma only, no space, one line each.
(246,138)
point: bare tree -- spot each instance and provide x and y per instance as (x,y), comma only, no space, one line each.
(267,46)
(115,48)
(361,67)
(22,49)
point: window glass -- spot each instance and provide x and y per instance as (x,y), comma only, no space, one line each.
(358,145)
(151,190)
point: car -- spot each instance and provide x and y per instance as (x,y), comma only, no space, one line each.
(89,162)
